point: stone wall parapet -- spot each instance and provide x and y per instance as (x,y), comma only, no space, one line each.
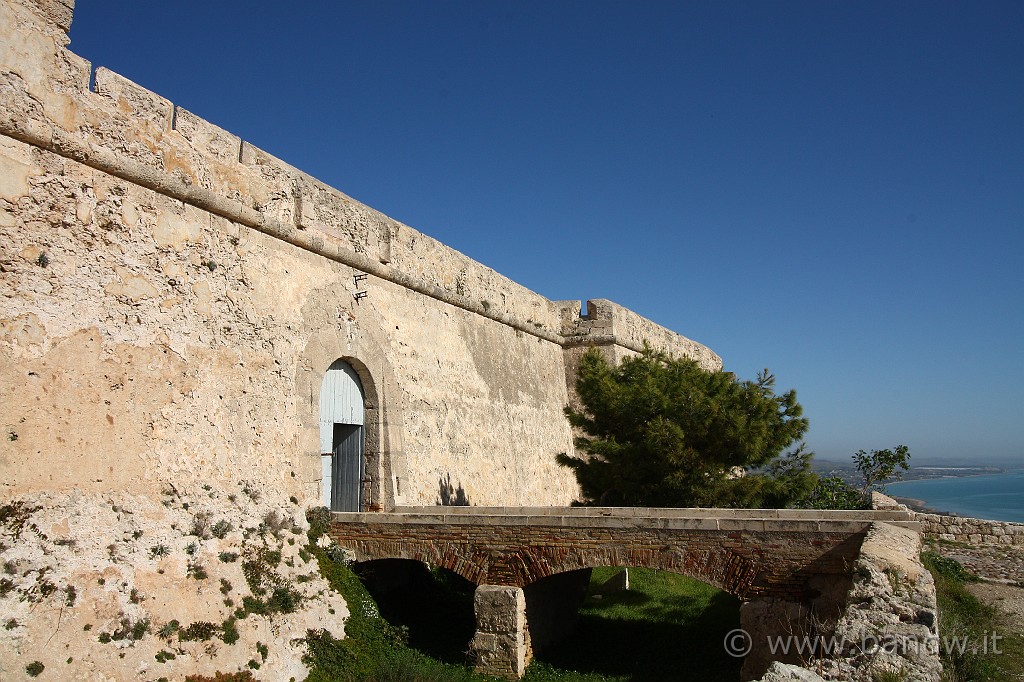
(126,130)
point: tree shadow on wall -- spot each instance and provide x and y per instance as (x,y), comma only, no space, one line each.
(449,495)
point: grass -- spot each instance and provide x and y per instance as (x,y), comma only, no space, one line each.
(666,627)
(964,616)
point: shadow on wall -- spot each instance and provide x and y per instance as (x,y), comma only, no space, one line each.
(450,496)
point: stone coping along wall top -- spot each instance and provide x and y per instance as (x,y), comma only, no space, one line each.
(127,131)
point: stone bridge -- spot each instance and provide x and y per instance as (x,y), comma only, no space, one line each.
(530,563)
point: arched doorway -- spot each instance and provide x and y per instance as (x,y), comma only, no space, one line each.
(342,438)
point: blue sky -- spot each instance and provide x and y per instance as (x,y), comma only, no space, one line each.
(832,190)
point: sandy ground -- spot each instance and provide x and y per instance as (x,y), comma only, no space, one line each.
(1007,598)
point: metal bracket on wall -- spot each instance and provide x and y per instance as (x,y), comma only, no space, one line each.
(358,278)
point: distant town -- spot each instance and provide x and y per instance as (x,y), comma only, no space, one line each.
(847,472)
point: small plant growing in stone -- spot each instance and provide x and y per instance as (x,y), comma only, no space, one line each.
(201,526)
(275,523)
(169,629)
(10,624)
(225,586)
(890,675)
(71,595)
(229,631)
(191,549)
(200,631)
(158,551)
(35,668)
(263,650)
(164,656)
(250,490)
(221,529)
(134,596)
(228,557)
(197,570)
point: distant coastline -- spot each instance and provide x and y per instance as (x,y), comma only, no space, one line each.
(990,496)
(921,506)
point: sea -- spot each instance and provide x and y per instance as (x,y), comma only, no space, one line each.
(996,497)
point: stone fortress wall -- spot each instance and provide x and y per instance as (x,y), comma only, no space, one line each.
(171,298)
(173,295)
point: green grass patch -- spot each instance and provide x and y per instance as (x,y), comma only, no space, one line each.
(666,627)
(965,618)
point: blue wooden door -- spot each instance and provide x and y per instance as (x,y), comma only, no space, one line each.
(347,483)
(341,438)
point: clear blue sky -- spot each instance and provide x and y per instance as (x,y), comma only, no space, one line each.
(833,190)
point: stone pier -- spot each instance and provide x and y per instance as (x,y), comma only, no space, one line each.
(501,646)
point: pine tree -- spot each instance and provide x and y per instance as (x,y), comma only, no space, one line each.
(663,432)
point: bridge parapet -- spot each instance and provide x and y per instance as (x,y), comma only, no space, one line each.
(894,516)
(748,553)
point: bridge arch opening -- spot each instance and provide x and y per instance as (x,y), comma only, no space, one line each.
(435,605)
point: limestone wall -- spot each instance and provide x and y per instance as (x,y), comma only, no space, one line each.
(172,297)
(170,300)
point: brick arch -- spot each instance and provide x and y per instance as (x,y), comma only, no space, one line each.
(721,568)
(521,566)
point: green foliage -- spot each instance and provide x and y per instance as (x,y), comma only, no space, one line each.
(169,629)
(833,492)
(34,669)
(369,639)
(881,465)
(221,529)
(15,515)
(963,615)
(662,431)
(242,676)
(876,466)
(319,519)
(229,631)
(948,568)
(200,631)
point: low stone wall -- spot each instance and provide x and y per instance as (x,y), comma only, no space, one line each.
(973,531)
(957,528)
